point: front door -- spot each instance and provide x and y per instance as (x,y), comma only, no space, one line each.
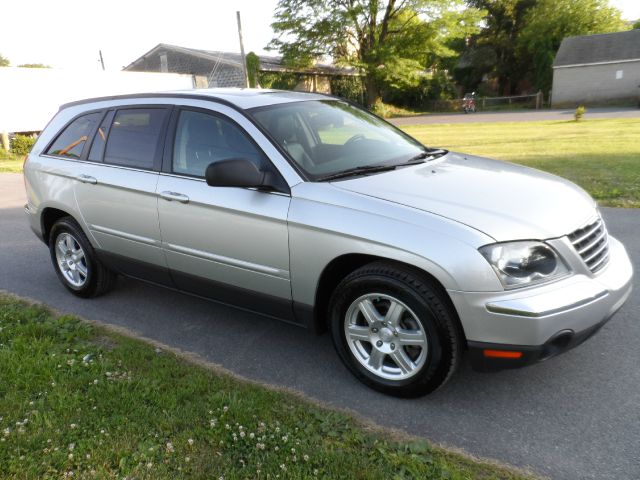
(226,243)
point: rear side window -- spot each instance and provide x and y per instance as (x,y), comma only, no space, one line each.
(133,137)
(202,139)
(97,147)
(73,138)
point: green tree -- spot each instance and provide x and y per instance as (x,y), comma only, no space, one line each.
(552,20)
(389,40)
(253,68)
(34,65)
(4,62)
(636,25)
(504,21)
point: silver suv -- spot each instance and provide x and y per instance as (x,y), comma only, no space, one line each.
(309,209)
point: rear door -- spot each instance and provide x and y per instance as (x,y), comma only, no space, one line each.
(116,189)
(226,243)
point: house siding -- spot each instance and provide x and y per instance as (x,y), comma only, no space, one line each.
(596,83)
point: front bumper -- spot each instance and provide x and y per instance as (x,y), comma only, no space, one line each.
(541,322)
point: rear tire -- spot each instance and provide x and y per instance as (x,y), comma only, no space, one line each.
(76,262)
(394,330)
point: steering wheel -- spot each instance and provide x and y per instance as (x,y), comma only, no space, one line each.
(356,138)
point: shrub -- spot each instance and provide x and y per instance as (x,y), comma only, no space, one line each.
(21,144)
(579,113)
(253,67)
(380,109)
(348,87)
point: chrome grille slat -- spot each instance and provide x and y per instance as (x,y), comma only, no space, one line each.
(600,263)
(600,237)
(596,253)
(591,242)
(596,227)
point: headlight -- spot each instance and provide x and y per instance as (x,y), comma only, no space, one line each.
(518,264)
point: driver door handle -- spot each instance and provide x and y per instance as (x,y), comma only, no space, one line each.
(171,196)
(86,179)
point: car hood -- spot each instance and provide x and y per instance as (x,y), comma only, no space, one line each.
(503,200)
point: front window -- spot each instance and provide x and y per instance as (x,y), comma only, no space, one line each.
(327,137)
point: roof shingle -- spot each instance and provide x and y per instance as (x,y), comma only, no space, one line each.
(606,47)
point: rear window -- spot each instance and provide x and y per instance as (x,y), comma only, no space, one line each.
(73,138)
(133,137)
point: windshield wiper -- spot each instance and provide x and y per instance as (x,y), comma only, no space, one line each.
(431,154)
(351,172)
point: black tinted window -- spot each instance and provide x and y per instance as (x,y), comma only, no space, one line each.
(97,147)
(133,137)
(202,139)
(73,138)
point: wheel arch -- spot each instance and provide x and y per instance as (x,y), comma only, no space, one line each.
(341,266)
(48,218)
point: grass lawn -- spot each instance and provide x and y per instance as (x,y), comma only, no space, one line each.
(78,401)
(602,156)
(9,162)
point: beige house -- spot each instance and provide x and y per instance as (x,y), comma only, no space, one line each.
(597,69)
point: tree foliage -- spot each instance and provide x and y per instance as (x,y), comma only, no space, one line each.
(390,41)
(253,68)
(552,20)
(521,38)
(4,62)
(497,42)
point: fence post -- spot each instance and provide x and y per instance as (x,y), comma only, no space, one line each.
(539,100)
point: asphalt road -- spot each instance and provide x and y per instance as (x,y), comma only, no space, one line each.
(517,116)
(576,416)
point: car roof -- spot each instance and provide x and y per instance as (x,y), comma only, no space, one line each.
(242,98)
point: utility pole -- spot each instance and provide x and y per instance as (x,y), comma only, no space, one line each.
(101,59)
(244,61)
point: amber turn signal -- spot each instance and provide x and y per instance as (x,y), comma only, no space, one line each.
(502,354)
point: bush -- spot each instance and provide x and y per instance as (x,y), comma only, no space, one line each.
(348,87)
(279,80)
(579,113)
(423,94)
(380,109)
(21,144)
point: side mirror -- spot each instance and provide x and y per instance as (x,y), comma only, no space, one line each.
(238,172)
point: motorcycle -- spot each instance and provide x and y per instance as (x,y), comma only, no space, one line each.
(469,102)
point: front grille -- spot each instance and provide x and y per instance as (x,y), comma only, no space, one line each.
(592,244)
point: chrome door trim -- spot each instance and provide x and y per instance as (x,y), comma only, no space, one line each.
(128,236)
(232,262)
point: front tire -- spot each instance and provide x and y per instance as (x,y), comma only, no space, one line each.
(76,262)
(394,330)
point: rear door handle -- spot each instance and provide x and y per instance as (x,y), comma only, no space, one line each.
(86,179)
(171,196)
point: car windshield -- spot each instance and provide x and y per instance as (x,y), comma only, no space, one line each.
(327,137)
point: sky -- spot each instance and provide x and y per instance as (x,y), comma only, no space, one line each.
(69,33)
